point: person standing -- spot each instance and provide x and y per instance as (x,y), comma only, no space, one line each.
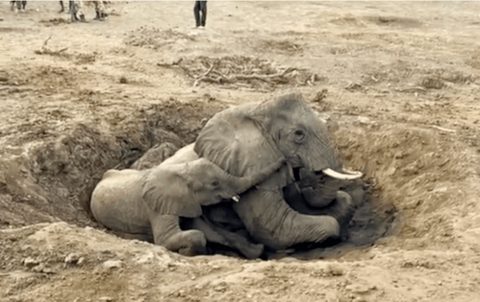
(77,10)
(62,8)
(100,11)
(200,7)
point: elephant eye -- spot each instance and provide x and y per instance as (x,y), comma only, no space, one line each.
(215,183)
(299,135)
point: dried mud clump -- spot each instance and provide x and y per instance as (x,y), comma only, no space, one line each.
(394,21)
(54,22)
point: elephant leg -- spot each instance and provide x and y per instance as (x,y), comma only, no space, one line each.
(166,232)
(341,207)
(233,240)
(270,221)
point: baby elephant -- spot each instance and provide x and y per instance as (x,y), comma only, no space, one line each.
(148,203)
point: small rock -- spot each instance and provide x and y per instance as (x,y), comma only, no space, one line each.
(30,262)
(72,258)
(123,80)
(334,270)
(364,120)
(39,268)
(358,289)
(110,264)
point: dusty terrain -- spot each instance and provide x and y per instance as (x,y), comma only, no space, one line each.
(399,82)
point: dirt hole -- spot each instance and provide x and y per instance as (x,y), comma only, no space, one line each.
(55,181)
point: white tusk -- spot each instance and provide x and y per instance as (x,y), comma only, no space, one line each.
(337,175)
(236,198)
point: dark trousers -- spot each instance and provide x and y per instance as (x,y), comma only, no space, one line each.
(200,6)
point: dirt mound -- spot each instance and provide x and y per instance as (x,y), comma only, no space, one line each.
(418,77)
(60,173)
(283,46)
(154,38)
(424,170)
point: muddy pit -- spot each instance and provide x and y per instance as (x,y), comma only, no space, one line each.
(56,179)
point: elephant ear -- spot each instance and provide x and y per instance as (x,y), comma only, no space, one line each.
(235,141)
(165,192)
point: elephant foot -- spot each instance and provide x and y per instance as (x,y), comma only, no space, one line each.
(252,251)
(342,208)
(188,243)
(192,251)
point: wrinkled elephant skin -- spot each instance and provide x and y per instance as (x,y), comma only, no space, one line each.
(151,201)
(246,138)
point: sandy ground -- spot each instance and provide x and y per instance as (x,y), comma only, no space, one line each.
(399,82)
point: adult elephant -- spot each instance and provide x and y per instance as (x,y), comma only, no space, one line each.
(244,139)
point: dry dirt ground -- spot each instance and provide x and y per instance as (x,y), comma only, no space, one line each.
(398,81)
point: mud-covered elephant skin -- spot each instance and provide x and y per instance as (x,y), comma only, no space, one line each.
(151,201)
(249,137)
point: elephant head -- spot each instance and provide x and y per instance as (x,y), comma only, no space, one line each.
(249,137)
(182,189)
